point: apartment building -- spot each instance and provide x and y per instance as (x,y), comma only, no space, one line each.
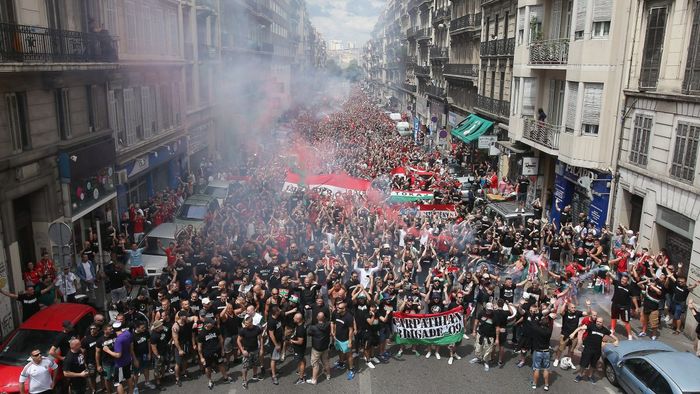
(658,189)
(462,69)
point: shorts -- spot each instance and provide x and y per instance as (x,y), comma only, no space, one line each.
(318,358)
(137,272)
(653,317)
(342,346)
(299,354)
(502,337)
(384,333)
(121,374)
(540,360)
(252,361)
(362,338)
(589,359)
(229,345)
(159,363)
(108,371)
(212,360)
(620,312)
(677,310)
(181,359)
(565,342)
(521,197)
(276,356)
(92,369)
(144,363)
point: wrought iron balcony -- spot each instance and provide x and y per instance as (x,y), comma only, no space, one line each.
(461,70)
(411,32)
(435,91)
(438,53)
(550,52)
(409,87)
(493,106)
(423,34)
(469,21)
(502,47)
(411,61)
(414,4)
(422,71)
(542,133)
(21,43)
(442,14)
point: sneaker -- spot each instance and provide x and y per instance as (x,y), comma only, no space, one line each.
(245,384)
(534,386)
(275,381)
(474,360)
(556,362)
(310,381)
(150,385)
(354,354)
(428,355)
(500,364)
(573,367)
(578,378)
(229,380)
(653,337)
(437,355)
(339,365)
(450,360)
(370,365)
(546,388)
(375,360)
(399,354)
(629,337)
(300,381)
(521,364)
(642,334)
(351,375)
(486,367)
(592,380)
(328,377)
(257,377)
(210,385)
(465,336)
(417,353)
(178,382)
(457,356)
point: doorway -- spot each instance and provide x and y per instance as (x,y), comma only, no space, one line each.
(556,102)
(24,229)
(636,209)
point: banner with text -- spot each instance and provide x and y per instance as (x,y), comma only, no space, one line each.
(444,328)
(327,183)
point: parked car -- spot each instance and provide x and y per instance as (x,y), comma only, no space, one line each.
(651,367)
(39,332)
(195,209)
(154,258)
(219,190)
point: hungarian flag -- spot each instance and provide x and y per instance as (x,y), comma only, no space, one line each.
(399,196)
(444,211)
(398,171)
(333,183)
(443,328)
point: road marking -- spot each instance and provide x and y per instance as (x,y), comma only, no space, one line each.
(365,383)
(611,390)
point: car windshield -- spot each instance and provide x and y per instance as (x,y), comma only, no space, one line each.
(192,212)
(151,245)
(216,192)
(17,351)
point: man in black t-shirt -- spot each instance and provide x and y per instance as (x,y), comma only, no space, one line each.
(249,342)
(320,343)
(74,368)
(62,342)
(486,337)
(596,334)
(679,295)
(275,331)
(88,344)
(343,331)
(621,302)
(210,346)
(298,342)
(570,318)
(29,300)
(142,346)
(159,343)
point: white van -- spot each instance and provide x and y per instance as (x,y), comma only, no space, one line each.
(404,128)
(396,117)
(154,258)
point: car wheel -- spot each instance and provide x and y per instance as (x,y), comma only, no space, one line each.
(611,374)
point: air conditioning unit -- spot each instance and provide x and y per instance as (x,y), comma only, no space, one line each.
(122,177)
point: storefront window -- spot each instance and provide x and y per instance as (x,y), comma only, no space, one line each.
(90,190)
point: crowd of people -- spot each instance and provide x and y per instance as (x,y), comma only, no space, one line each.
(277,277)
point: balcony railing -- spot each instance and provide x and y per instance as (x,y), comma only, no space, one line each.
(440,15)
(469,21)
(424,34)
(422,71)
(493,106)
(462,70)
(412,31)
(206,52)
(502,47)
(542,133)
(21,43)
(550,51)
(435,91)
(409,87)
(438,53)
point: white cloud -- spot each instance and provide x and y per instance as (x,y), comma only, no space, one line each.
(335,22)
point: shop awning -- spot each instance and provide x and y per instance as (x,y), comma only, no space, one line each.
(471,128)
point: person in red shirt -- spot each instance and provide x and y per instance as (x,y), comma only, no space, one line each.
(619,263)
(46,267)
(139,226)
(31,274)
(169,252)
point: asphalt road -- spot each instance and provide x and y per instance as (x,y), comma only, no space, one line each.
(410,374)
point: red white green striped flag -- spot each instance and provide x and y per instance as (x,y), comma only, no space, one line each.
(399,196)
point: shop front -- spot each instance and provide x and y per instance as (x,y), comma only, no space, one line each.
(88,186)
(587,191)
(143,176)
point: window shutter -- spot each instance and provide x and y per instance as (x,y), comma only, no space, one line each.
(111,16)
(131,29)
(176,104)
(130,116)
(691,82)
(602,10)
(521,18)
(592,97)
(146,110)
(112,110)
(571,101)
(529,93)
(13,115)
(581,8)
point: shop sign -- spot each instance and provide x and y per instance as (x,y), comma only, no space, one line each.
(486,141)
(452,119)
(531,166)
(140,165)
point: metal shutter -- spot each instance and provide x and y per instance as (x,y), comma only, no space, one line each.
(592,97)
(571,104)
(602,10)
(521,18)
(581,8)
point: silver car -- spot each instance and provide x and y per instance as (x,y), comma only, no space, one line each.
(651,367)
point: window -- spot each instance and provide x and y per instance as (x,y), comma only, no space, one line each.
(571,104)
(581,9)
(691,82)
(602,14)
(639,150)
(653,47)
(536,18)
(641,370)
(62,98)
(18,122)
(592,97)
(685,151)
(97,110)
(521,25)
(601,29)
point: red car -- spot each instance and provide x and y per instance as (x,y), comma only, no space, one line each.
(38,332)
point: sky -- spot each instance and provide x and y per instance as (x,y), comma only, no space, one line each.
(346,20)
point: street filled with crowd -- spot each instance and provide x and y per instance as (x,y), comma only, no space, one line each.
(318,276)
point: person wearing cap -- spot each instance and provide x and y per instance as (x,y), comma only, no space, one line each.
(39,372)
(160,347)
(210,347)
(61,344)
(486,338)
(123,354)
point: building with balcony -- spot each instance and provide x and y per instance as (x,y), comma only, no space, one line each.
(657,164)
(462,70)
(568,63)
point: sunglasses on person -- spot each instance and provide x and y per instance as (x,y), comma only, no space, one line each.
(36,354)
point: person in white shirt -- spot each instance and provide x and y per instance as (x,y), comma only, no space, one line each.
(366,271)
(67,285)
(39,372)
